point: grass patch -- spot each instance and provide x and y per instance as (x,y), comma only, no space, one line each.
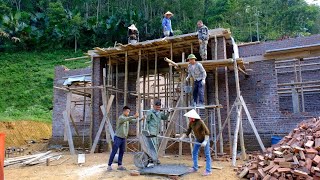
(26,81)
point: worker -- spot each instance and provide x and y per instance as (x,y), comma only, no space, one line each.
(154,117)
(203,37)
(166,24)
(198,73)
(133,34)
(201,133)
(122,128)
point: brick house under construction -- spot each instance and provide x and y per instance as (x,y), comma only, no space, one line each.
(279,81)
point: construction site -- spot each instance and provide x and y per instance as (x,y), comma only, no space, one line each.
(261,106)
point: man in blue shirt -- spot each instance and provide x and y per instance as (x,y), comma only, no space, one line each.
(166,24)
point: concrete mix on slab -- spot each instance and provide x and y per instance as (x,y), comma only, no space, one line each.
(166,169)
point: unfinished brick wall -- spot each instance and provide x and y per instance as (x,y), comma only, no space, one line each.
(59,105)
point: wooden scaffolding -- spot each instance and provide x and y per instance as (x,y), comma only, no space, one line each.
(168,85)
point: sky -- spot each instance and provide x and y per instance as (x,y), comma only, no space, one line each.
(313,2)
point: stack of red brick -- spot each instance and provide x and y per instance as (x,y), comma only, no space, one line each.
(296,156)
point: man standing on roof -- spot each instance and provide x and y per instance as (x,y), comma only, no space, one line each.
(166,24)
(133,34)
(203,36)
(199,75)
(201,133)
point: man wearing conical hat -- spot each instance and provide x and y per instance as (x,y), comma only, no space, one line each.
(166,24)
(201,133)
(133,34)
(199,75)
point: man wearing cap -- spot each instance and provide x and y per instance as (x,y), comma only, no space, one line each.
(201,133)
(154,117)
(203,36)
(199,75)
(166,24)
(133,34)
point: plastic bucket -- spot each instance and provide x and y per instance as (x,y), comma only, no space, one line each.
(2,150)
(275,139)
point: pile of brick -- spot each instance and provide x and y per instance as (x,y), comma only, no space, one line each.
(296,156)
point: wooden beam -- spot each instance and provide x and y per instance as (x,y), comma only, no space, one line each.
(171,125)
(216,85)
(69,132)
(244,105)
(77,58)
(125,96)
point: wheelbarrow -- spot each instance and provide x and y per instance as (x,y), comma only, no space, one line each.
(149,154)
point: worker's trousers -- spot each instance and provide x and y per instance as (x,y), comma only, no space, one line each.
(195,154)
(119,143)
(198,91)
(203,49)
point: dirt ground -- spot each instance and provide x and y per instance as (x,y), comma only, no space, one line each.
(96,164)
(19,133)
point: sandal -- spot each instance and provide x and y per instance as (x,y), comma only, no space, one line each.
(192,170)
(109,168)
(121,168)
(206,173)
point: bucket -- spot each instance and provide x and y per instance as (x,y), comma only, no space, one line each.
(275,139)
(2,150)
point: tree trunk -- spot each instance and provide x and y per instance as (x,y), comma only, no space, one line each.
(75,43)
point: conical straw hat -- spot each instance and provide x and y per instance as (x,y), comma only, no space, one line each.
(192,114)
(133,27)
(168,13)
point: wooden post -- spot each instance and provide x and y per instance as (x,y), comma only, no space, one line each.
(216,81)
(191,49)
(228,107)
(148,84)
(117,86)
(295,99)
(155,73)
(243,149)
(235,140)
(171,80)
(138,92)
(125,96)
(301,86)
(69,132)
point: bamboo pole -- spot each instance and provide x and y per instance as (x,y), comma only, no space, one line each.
(125,96)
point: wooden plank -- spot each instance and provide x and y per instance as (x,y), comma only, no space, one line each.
(69,133)
(36,158)
(252,124)
(171,125)
(102,124)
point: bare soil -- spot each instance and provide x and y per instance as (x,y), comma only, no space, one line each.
(19,133)
(96,165)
